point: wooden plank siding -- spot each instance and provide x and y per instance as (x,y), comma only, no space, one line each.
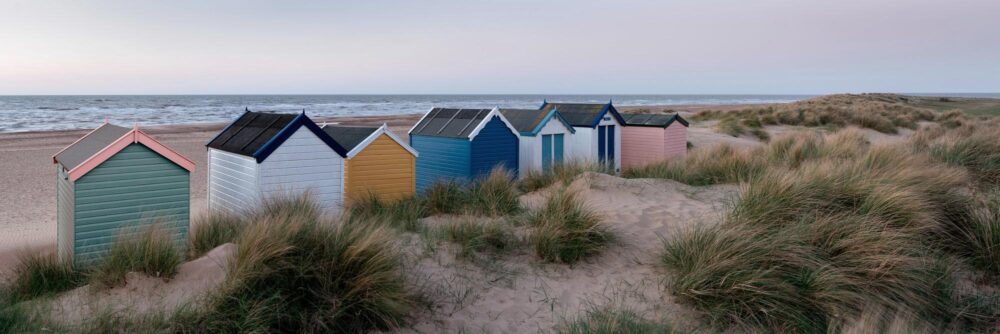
(64,214)
(304,163)
(384,168)
(641,145)
(130,190)
(441,159)
(675,141)
(495,145)
(232,181)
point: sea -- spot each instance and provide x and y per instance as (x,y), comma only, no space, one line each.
(52,112)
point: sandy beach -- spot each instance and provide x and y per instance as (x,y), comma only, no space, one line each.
(28,211)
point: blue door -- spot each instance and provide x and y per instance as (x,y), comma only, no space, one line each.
(557,146)
(611,144)
(546,152)
(602,140)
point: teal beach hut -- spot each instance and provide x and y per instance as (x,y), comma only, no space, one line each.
(462,144)
(118,179)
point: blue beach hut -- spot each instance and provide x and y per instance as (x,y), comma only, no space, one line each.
(462,144)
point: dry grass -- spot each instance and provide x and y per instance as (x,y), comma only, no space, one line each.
(824,227)
(566,231)
(720,164)
(295,272)
(37,275)
(150,250)
(558,174)
(212,230)
(879,112)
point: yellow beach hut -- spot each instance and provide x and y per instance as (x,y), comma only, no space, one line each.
(378,162)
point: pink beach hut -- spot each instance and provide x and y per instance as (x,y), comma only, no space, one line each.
(114,179)
(650,138)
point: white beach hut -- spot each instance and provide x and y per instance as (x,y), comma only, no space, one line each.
(261,155)
(598,131)
(545,138)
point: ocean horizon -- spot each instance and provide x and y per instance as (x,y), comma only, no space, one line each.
(21,113)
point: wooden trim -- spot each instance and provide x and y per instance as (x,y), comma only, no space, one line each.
(131,137)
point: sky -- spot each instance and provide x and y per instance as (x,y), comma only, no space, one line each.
(498,47)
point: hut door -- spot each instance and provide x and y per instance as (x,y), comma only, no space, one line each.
(546,152)
(557,148)
(606,143)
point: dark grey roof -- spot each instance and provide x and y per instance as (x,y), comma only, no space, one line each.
(655,120)
(449,122)
(86,147)
(524,120)
(250,132)
(582,114)
(348,136)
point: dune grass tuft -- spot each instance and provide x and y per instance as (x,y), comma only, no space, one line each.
(446,197)
(402,213)
(212,230)
(612,321)
(493,195)
(720,164)
(566,231)
(295,272)
(830,225)
(560,173)
(980,238)
(493,237)
(150,250)
(38,275)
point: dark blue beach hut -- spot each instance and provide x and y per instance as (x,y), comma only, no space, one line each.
(462,144)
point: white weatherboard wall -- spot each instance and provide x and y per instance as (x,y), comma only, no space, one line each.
(304,162)
(530,149)
(585,143)
(232,181)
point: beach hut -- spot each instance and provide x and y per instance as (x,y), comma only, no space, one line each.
(650,138)
(462,144)
(598,131)
(114,180)
(378,162)
(545,136)
(262,155)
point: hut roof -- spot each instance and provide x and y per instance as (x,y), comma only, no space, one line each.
(355,138)
(348,136)
(257,134)
(456,123)
(583,114)
(88,145)
(653,120)
(102,143)
(530,121)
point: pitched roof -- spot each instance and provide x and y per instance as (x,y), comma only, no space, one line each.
(348,136)
(583,114)
(450,122)
(97,147)
(353,135)
(258,134)
(88,145)
(654,120)
(530,121)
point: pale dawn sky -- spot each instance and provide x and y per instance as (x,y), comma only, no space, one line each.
(462,47)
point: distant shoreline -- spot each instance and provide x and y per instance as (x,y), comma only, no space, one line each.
(358,120)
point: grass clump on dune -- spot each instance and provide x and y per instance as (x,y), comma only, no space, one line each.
(150,250)
(213,230)
(402,213)
(560,173)
(480,237)
(974,147)
(493,195)
(565,230)
(880,112)
(720,164)
(38,275)
(292,271)
(830,226)
(612,321)
(980,239)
